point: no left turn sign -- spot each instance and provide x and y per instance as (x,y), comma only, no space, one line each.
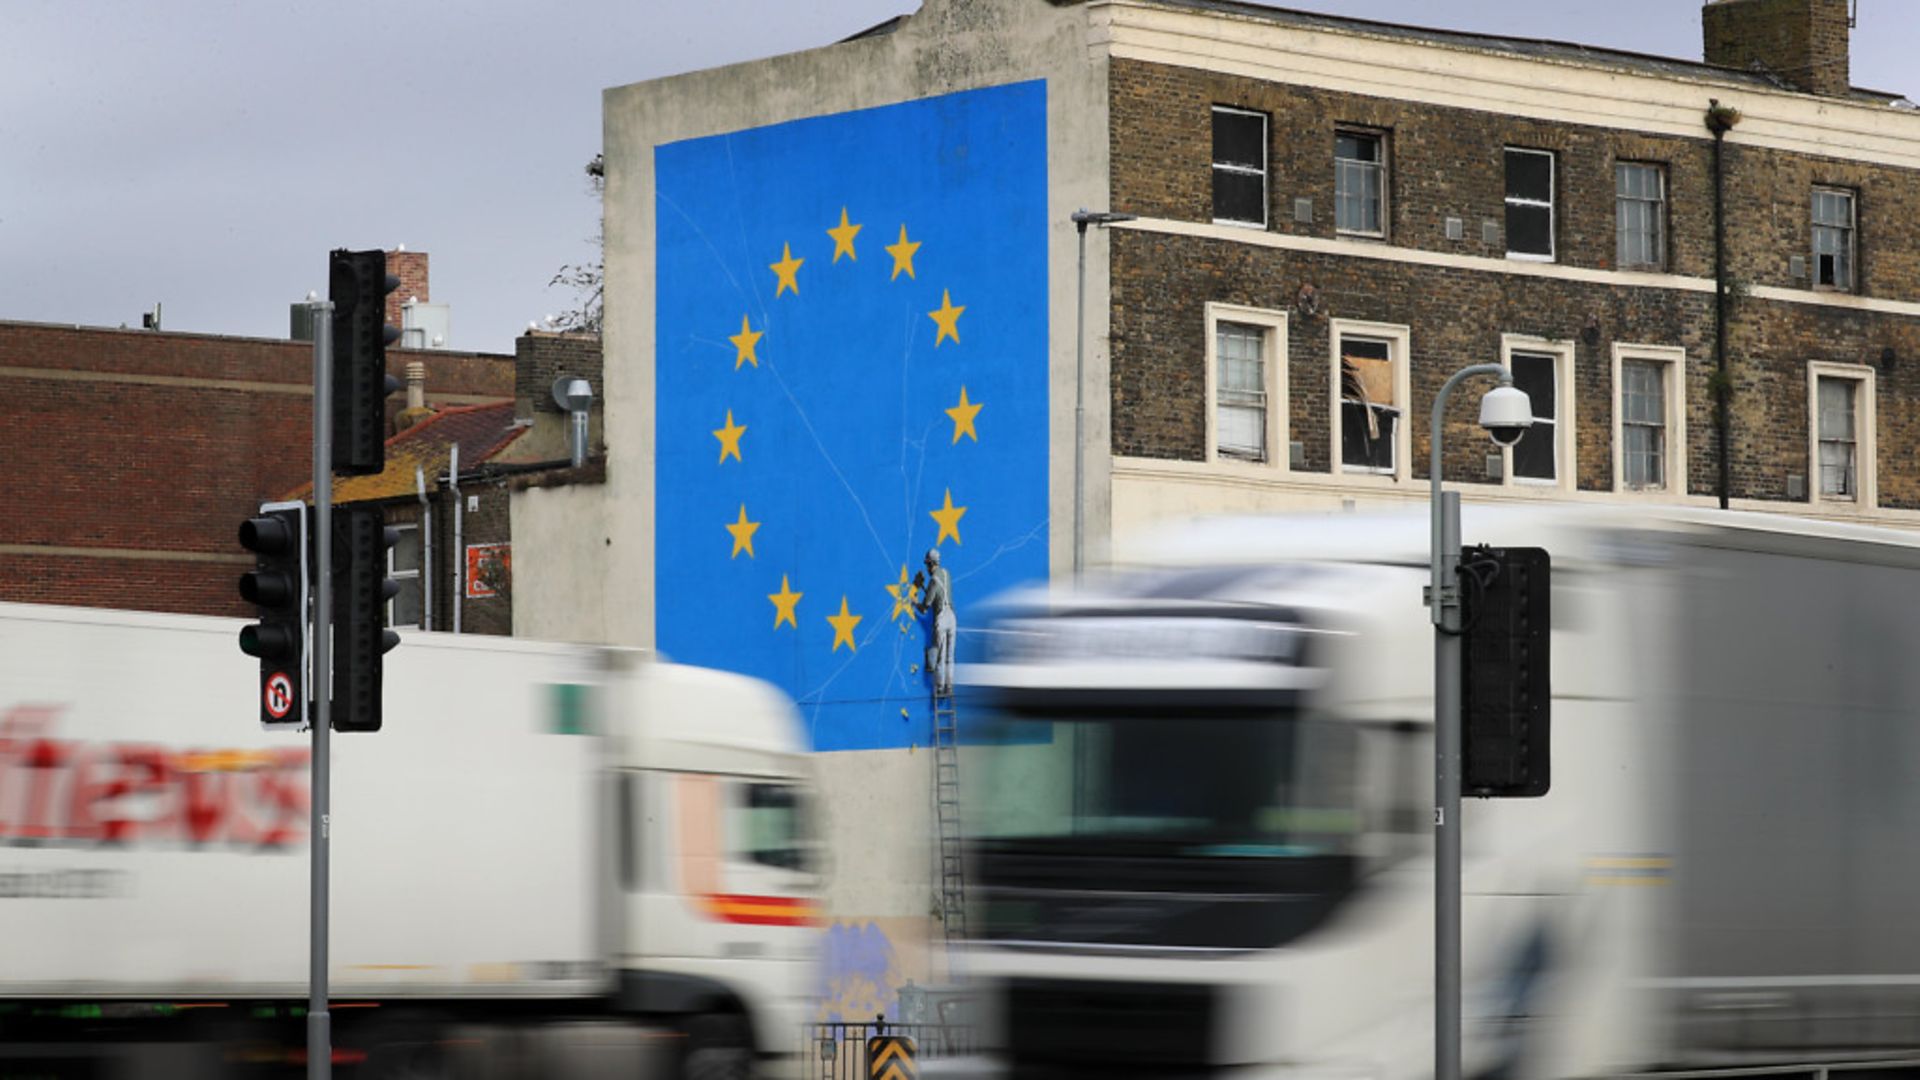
(279,695)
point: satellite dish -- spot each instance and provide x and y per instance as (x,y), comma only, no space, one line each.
(572,393)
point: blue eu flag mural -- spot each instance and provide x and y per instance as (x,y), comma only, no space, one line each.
(851,369)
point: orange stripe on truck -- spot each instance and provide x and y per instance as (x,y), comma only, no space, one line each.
(761,910)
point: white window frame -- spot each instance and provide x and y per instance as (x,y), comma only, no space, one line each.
(398,574)
(1851,232)
(1865,436)
(1266,193)
(1553,194)
(1380,167)
(1399,340)
(1565,475)
(1274,349)
(1673,358)
(1659,204)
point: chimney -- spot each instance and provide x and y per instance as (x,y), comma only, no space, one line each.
(411,268)
(416,409)
(1802,43)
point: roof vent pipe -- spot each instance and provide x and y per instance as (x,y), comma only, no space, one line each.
(416,385)
(575,395)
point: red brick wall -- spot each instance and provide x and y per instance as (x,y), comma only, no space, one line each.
(128,458)
(411,268)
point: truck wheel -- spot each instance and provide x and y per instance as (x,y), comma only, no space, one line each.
(718,1048)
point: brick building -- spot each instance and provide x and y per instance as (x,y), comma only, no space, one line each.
(1330,217)
(450,478)
(132,456)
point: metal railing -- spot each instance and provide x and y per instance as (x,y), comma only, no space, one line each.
(837,1050)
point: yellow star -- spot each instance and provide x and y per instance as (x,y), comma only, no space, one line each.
(729,436)
(949,518)
(904,595)
(963,415)
(843,238)
(902,253)
(784,602)
(843,625)
(743,343)
(743,531)
(947,318)
(788,268)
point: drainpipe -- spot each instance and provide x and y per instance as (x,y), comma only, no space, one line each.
(1719,121)
(459,552)
(426,549)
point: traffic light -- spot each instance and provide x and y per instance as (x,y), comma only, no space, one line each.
(278,585)
(361,589)
(358,284)
(1506,694)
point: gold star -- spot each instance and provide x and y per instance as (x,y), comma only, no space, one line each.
(904,595)
(743,343)
(788,268)
(902,253)
(743,531)
(784,602)
(963,415)
(843,238)
(949,518)
(729,436)
(843,625)
(947,318)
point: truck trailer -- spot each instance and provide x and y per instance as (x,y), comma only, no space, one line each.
(1201,808)
(554,860)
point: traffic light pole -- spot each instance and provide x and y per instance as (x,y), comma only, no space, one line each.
(319,1033)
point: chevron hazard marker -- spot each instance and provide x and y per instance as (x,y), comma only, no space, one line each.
(890,1057)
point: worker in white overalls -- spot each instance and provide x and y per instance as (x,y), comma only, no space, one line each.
(938,598)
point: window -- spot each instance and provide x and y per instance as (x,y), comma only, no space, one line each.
(1832,239)
(1370,385)
(1245,377)
(1529,204)
(1359,182)
(1241,351)
(769,825)
(1542,369)
(1842,433)
(1239,166)
(403,566)
(1649,422)
(1640,200)
(1533,455)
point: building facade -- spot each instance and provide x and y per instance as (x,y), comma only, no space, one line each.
(844,305)
(133,455)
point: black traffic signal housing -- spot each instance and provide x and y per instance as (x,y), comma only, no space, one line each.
(1506,694)
(278,585)
(358,284)
(361,589)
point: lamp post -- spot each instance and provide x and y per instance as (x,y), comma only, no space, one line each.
(1082,219)
(1506,414)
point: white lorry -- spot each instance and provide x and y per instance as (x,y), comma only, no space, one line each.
(1201,819)
(554,861)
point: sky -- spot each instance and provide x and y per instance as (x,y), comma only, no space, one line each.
(205,155)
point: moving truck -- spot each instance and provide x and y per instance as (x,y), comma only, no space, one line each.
(1201,809)
(554,860)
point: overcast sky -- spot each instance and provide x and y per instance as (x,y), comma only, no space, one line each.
(206,155)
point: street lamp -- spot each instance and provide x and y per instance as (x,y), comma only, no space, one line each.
(1082,219)
(1506,414)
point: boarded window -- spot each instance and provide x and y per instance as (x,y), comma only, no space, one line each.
(1529,203)
(1369,408)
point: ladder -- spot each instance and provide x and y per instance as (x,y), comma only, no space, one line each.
(946,808)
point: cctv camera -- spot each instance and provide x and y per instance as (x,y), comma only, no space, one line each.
(1506,414)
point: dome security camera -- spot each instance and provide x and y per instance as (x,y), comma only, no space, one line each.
(1506,414)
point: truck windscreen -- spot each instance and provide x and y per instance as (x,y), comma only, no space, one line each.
(1219,829)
